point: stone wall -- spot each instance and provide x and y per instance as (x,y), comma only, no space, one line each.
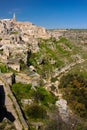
(16,106)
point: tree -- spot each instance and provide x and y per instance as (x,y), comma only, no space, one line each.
(28,57)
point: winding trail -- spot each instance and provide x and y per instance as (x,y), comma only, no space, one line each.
(64,111)
(58,74)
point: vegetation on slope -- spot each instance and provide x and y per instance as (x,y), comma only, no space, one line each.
(3,68)
(74,87)
(53,54)
(40,101)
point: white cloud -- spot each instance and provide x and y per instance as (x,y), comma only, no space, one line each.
(17,11)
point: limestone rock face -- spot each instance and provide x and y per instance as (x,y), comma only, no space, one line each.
(63,109)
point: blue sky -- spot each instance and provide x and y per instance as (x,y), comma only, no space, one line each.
(47,13)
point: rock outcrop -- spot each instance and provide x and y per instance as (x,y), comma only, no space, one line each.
(63,109)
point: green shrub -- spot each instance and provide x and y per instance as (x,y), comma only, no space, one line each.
(22,64)
(53,79)
(44,96)
(15,32)
(36,112)
(80,109)
(3,68)
(21,90)
(0,38)
(1,51)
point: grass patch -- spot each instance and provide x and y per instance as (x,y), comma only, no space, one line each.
(3,68)
(15,32)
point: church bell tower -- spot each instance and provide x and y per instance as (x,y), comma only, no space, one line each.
(14,17)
